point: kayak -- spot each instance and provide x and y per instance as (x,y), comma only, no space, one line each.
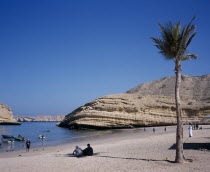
(7,137)
(19,138)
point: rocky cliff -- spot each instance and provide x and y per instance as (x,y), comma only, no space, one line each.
(192,87)
(148,104)
(6,116)
(39,118)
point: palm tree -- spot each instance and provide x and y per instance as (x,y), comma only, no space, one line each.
(173,46)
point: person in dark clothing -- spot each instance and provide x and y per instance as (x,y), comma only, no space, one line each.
(28,145)
(88,151)
(197,126)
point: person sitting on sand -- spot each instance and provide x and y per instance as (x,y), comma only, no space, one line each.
(88,151)
(78,152)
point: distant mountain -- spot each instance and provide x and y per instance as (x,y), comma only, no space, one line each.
(148,104)
(39,118)
(192,87)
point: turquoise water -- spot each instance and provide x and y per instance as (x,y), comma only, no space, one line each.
(31,130)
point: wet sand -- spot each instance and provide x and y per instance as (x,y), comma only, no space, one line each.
(121,150)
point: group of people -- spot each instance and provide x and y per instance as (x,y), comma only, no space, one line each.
(78,152)
(195,126)
(154,129)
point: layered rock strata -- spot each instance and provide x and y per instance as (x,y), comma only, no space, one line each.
(6,116)
(149,104)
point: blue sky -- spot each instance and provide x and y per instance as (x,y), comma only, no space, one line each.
(57,55)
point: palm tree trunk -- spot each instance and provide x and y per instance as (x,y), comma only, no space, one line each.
(179,131)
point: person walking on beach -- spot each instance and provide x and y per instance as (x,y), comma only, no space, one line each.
(154,130)
(28,145)
(190,130)
(78,152)
(197,126)
(88,151)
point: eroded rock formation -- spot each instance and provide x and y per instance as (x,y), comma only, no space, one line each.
(39,118)
(148,104)
(6,116)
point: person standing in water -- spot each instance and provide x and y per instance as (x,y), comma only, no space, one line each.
(28,145)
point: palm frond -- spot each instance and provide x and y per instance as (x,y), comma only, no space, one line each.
(190,39)
(160,44)
(188,57)
(174,40)
(190,23)
(165,33)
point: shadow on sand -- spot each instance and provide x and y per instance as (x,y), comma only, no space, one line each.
(71,155)
(114,157)
(137,159)
(196,146)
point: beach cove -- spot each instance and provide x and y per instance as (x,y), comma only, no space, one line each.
(127,150)
(53,135)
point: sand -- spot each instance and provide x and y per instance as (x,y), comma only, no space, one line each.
(129,150)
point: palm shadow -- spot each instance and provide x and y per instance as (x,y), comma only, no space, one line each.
(113,157)
(136,159)
(195,146)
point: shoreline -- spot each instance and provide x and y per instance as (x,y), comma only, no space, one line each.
(116,134)
(127,150)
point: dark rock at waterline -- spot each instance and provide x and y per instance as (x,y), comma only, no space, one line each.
(10,123)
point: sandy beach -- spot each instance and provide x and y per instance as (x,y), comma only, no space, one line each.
(120,151)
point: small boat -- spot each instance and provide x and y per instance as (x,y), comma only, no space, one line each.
(11,141)
(41,136)
(7,137)
(7,141)
(19,138)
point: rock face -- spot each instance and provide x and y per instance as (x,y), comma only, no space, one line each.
(192,87)
(39,118)
(148,104)
(6,116)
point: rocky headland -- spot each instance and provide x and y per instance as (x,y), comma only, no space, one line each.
(149,104)
(6,116)
(39,118)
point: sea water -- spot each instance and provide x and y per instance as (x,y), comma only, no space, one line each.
(54,135)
